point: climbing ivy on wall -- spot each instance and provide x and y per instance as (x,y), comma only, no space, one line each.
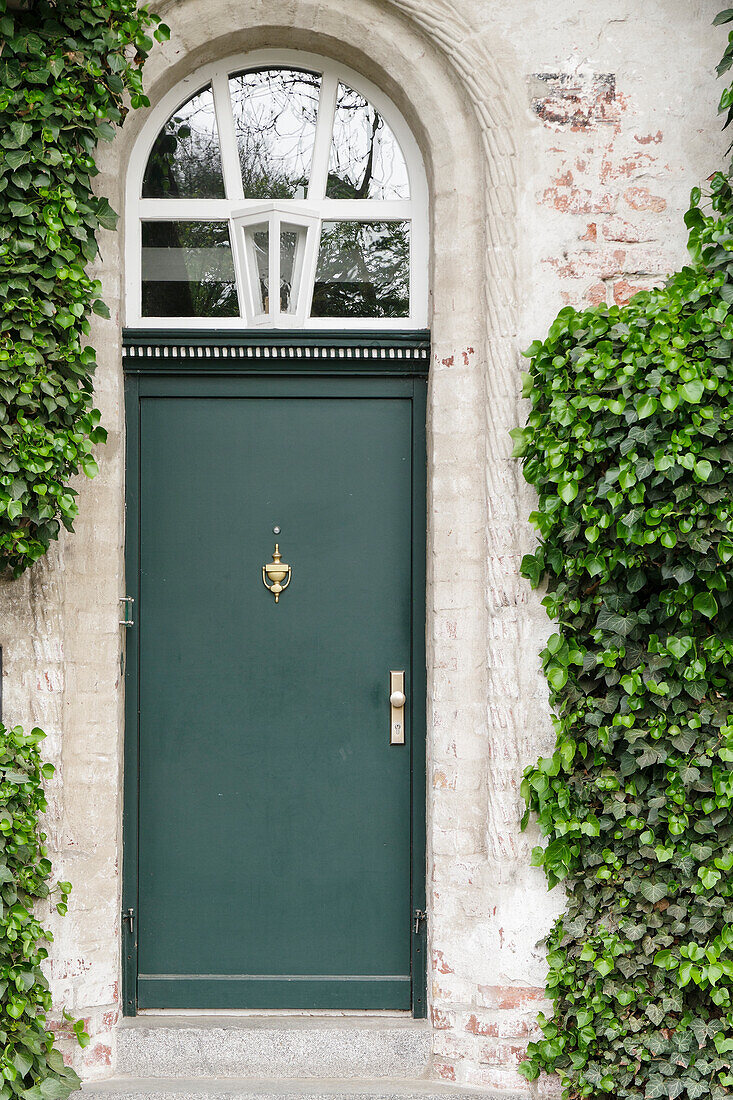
(69,71)
(30,1065)
(629,444)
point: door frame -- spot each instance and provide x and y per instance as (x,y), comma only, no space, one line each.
(345,364)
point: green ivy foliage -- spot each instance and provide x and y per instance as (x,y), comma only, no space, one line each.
(68,70)
(30,1065)
(629,445)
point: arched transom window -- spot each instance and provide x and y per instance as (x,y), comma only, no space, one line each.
(278,191)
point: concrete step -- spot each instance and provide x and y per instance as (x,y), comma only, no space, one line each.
(266,1047)
(130,1088)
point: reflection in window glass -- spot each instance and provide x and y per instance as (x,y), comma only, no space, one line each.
(288,246)
(185,162)
(363,270)
(257,244)
(366,160)
(275,122)
(187,270)
(292,250)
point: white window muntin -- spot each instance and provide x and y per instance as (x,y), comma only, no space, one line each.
(316,208)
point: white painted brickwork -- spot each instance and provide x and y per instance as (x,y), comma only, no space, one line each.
(561,138)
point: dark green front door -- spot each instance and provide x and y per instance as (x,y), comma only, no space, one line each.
(274,838)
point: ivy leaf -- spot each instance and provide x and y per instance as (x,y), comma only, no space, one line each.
(532,569)
(666,959)
(653,891)
(691,392)
(22,1061)
(53,1089)
(106,216)
(614,623)
(100,308)
(646,406)
(706,604)
(105,131)
(14,158)
(21,131)
(521,439)
(557,677)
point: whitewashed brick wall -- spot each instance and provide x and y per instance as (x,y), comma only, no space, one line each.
(561,140)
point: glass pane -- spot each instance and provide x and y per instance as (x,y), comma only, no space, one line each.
(185,162)
(363,270)
(257,243)
(366,160)
(188,270)
(275,122)
(292,246)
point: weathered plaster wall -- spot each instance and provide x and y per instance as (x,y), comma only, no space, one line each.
(561,139)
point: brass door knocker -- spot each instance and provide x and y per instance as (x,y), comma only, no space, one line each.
(276,571)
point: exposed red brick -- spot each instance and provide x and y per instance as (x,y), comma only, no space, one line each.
(100,1054)
(445,1071)
(502,1054)
(617,229)
(511,996)
(442,1021)
(626,168)
(648,139)
(481,1027)
(591,232)
(575,200)
(596,294)
(601,263)
(440,964)
(641,198)
(623,290)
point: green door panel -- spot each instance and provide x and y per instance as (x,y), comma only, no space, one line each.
(274,822)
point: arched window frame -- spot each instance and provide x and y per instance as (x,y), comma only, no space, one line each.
(316,207)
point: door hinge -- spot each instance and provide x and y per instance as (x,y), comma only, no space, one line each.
(419,917)
(128,601)
(128,918)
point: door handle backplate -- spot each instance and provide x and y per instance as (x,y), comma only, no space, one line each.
(397,700)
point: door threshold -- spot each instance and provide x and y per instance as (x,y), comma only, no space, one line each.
(371,1013)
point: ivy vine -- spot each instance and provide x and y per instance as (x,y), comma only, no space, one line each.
(30,1064)
(68,71)
(629,444)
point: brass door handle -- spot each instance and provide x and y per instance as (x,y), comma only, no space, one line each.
(397,700)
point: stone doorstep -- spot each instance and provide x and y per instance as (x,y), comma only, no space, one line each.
(250,1089)
(263,1047)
